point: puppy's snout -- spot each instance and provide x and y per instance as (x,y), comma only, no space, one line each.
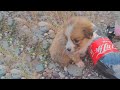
(68,49)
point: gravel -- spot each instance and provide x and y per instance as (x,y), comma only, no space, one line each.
(40,30)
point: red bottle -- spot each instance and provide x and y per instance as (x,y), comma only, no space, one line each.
(106,57)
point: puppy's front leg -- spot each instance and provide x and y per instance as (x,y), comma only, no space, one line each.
(76,58)
(80,64)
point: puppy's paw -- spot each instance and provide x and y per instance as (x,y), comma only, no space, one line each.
(80,64)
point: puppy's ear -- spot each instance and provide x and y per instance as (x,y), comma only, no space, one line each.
(89,32)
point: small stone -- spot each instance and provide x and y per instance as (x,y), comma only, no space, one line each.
(10,42)
(2,77)
(65,69)
(15,74)
(28,49)
(45,44)
(56,64)
(5,44)
(117,44)
(33,54)
(42,23)
(2,70)
(23,78)
(40,57)
(10,21)
(24,30)
(42,78)
(1,17)
(101,21)
(35,39)
(66,73)
(21,46)
(43,26)
(17,51)
(39,67)
(51,65)
(74,70)
(96,74)
(28,58)
(5,34)
(1,62)
(61,75)
(89,75)
(55,74)
(51,34)
(45,65)
(50,41)
(0,37)
(8,76)
(45,34)
(10,39)
(21,49)
(45,74)
(0,34)
(66,78)
(56,69)
(1,54)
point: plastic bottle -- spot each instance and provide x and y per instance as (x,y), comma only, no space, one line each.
(106,57)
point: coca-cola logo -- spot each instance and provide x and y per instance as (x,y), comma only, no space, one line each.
(101,47)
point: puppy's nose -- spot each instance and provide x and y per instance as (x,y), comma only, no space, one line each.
(69,49)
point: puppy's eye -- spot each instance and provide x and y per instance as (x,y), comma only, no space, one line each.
(76,41)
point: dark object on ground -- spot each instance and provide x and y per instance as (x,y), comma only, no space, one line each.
(110,32)
(106,57)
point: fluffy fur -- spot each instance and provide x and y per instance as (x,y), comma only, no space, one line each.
(72,41)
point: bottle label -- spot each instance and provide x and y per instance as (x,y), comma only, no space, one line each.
(101,47)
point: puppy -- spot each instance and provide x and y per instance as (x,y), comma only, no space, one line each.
(72,41)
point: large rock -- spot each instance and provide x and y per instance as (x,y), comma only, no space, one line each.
(74,70)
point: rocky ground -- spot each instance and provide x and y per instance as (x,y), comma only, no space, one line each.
(25,38)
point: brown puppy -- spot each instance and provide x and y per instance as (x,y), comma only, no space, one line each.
(72,41)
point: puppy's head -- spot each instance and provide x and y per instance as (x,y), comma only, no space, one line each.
(77,30)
